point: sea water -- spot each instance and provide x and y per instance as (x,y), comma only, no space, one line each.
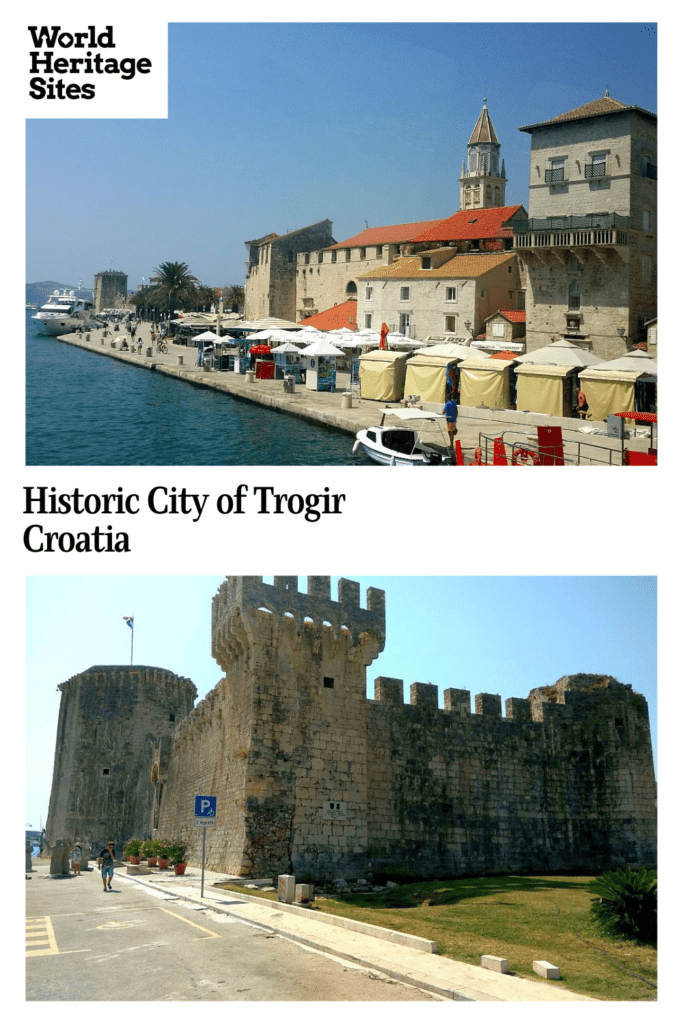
(85,409)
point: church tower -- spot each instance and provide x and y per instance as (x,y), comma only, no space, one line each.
(482,180)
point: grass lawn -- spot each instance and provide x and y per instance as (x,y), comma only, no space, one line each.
(519,918)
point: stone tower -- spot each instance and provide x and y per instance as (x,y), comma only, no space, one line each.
(482,180)
(111,717)
(281,740)
(110,290)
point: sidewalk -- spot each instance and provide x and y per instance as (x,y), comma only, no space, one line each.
(326,407)
(404,958)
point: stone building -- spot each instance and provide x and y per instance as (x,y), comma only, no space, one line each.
(111,720)
(482,180)
(313,778)
(110,290)
(589,247)
(270,288)
(438,293)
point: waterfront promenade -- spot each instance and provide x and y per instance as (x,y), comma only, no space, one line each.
(331,408)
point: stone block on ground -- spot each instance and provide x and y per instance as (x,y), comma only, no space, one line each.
(286,888)
(495,963)
(546,970)
(305,893)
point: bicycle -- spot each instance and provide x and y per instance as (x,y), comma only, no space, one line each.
(162,347)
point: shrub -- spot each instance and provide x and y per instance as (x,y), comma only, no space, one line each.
(132,848)
(626,903)
(150,848)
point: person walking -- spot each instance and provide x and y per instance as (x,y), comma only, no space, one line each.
(105,862)
(450,410)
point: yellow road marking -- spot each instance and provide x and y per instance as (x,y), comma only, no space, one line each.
(209,934)
(39,932)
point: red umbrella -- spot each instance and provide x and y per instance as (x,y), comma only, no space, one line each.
(260,350)
(383,336)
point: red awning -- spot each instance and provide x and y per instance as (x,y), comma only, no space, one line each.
(645,417)
(260,350)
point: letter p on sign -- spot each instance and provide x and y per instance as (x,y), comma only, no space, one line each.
(205,807)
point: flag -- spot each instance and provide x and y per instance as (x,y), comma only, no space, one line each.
(383,337)
(128,619)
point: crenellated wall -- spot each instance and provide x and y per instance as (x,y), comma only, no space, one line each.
(313,778)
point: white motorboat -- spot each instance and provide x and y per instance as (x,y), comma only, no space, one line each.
(402,445)
(64,313)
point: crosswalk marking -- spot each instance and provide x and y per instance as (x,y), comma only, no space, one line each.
(40,934)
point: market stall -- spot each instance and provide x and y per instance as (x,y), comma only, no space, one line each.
(487,382)
(626,384)
(319,360)
(382,375)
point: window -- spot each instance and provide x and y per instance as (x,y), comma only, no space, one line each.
(307,258)
(597,168)
(362,253)
(368,294)
(404,323)
(405,294)
(450,324)
(498,330)
(334,256)
(451,295)
(646,269)
(379,252)
(320,257)
(347,255)
(574,296)
(328,682)
(105,771)
(368,320)
(556,170)
(426,262)
(171,717)
(646,220)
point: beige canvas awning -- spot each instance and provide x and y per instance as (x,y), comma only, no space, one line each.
(541,388)
(426,376)
(485,382)
(382,375)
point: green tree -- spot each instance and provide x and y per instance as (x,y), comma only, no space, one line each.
(626,903)
(173,287)
(234,298)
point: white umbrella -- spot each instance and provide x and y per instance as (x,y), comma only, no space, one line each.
(561,353)
(286,347)
(636,361)
(206,336)
(322,347)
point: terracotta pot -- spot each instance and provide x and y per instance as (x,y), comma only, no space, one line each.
(163,862)
(134,860)
(179,868)
(152,862)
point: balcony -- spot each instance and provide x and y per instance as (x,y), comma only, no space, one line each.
(595,170)
(593,229)
(554,174)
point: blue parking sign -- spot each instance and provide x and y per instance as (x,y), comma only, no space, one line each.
(205,807)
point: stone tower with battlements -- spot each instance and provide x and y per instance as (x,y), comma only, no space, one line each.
(313,778)
(111,718)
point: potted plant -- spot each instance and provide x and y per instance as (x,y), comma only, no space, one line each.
(178,854)
(132,850)
(165,850)
(150,850)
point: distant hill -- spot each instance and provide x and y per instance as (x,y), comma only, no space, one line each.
(39,291)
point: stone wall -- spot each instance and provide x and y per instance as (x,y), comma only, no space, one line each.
(110,290)
(110,721)
(270,288)
(312,778)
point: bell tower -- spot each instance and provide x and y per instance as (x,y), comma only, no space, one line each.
(482,179)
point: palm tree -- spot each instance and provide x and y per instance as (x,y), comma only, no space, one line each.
(173,285)
(234,298)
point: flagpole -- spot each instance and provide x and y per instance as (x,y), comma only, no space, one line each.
(132,634)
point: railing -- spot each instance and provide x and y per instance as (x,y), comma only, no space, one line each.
(554,174)
(592,229)
(595,170)
(575,453)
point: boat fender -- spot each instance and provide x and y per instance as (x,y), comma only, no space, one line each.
(477,457)
(526,457)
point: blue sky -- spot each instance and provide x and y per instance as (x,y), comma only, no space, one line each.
(488,634)
(275,126)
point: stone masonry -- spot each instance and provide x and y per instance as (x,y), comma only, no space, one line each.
(314,779)
(111,719)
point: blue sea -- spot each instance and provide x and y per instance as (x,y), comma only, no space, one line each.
(83,409)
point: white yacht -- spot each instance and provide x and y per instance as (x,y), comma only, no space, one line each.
(64,313)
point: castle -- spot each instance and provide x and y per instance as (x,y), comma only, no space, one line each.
(315,779)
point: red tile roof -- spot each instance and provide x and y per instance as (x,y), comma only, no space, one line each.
(471,224)
(461,266)
(596,108)
(515,316)
(505,355)
(343,315)
(385,236)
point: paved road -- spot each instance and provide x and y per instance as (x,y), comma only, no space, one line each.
(130,944)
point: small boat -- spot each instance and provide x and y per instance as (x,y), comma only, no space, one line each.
(403,446)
